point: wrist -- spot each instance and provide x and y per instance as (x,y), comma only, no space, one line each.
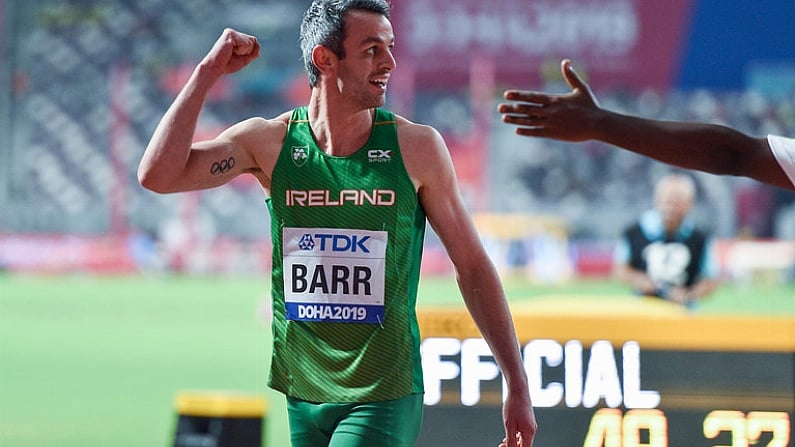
(601,123)
(206,74)
(516,381)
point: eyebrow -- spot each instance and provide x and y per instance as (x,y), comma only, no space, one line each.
(373,39)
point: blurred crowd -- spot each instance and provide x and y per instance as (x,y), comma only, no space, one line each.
(90,79)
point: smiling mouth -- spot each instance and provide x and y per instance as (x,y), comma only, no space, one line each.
(379,83)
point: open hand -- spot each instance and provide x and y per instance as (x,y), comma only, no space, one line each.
(566,117)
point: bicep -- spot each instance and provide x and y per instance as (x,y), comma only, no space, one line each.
(726,151)
(208,164)
(215,162)
(760,163)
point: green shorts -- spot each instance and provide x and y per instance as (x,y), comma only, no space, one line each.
(385,423)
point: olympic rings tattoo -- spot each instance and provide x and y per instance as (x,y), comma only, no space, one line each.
(223,166)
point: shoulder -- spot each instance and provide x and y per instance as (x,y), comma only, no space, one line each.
(424,151)
(700,235)
(634,231)
(259,140)
(633,227)
(635,236)
(259,136)
(419,140)
(258,127)
(412,133)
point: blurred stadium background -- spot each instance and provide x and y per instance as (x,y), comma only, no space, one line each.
(83,84)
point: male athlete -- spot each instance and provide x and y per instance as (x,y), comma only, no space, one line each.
(576,116)
(349,188)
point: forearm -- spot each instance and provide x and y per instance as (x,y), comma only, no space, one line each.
(637,279)
(485,300)
(700,146)
(168,150)
(702,289)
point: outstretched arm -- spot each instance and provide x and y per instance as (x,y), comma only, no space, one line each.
(577,116)
(172,162)
(430,166)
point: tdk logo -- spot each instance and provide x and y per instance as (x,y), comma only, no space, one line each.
(334,243)
(379,155)
(306,242)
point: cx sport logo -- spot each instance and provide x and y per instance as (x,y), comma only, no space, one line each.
(379,155)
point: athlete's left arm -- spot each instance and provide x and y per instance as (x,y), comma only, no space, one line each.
(430,167)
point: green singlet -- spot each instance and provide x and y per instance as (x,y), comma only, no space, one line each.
(347,242)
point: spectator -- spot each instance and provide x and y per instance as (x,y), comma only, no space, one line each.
(663,254)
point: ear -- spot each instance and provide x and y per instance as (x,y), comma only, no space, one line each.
(323,58)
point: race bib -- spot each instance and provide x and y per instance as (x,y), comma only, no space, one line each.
(334,275)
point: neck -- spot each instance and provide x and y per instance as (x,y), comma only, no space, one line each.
(339,129)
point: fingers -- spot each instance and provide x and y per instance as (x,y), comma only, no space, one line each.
(512,441)
(541,99)
(521,109)
(526,439)
(232,51)
(520,441)
(528,124)
(531,97)
(242,44)
(571,76)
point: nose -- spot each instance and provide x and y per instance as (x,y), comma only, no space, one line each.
(389,63)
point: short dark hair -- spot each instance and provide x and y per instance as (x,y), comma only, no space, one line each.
(324,24)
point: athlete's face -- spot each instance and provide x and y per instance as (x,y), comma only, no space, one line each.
(363,74)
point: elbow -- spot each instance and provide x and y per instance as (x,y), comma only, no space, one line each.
(151,182)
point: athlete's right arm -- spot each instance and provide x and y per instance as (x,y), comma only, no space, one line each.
(172,161)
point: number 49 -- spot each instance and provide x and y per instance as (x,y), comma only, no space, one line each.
(610,428)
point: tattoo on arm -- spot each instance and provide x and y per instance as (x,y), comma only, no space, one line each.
(223,166)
